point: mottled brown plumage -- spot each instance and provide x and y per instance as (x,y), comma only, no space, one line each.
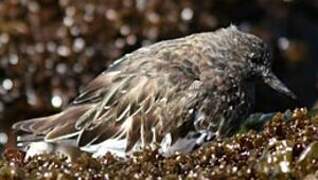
(200,82)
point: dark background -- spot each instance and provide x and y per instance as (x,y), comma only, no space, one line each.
(49,48)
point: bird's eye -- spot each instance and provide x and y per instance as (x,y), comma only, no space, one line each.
(258,57)
(255,59)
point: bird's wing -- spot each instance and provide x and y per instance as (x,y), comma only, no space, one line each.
(120,105)
(135,106)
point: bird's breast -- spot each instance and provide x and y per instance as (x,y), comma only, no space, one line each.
(225,106)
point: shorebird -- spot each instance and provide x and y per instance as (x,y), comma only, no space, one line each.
(175,93)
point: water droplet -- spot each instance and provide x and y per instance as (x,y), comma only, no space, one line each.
(13,59)
(89,12)
(119,43)
(7,84)
(75,31)
(153,18)
(124,30)
(141,4)
(284,165)
(56,101)
(187,14)
(131,39)
(78,45)
(32,99)
(4,38)
(283,43)
(111,14)
(63,51)
(68,21)
(61,68)
(39,47)
(70,11)
(3,138)
(51,46)
(33,6)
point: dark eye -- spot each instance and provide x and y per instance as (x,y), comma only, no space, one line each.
(255,59)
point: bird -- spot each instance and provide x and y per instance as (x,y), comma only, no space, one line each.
(176,94)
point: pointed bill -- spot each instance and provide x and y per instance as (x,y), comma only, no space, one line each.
(277,85)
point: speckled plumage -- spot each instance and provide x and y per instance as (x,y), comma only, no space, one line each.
(202,82)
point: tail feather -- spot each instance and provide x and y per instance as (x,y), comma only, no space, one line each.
(35,126)
(54,127)
(29,138)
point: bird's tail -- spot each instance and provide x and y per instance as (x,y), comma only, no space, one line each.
(59,126)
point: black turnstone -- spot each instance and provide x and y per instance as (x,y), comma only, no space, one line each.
(175,93)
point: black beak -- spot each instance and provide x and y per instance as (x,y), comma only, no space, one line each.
(277,85)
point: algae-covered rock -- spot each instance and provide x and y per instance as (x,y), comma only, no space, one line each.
(284,146)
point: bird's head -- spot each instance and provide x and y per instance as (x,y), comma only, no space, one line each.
(250,56)
(257,57)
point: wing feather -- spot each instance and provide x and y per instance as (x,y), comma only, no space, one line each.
(141,110)
(136,105)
